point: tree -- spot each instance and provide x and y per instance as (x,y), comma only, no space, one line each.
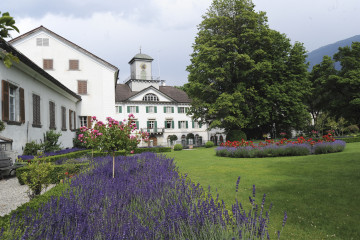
(113,136)
(244,75)
(345,91)
(7,24)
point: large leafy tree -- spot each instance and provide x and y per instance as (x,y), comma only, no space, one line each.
(345,99)
(7,24)
(244,75)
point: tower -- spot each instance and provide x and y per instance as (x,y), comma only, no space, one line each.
(140,67)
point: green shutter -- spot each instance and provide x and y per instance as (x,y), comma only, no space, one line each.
(172,124)
(148,126)
(155,109)
(128,109)
(155,130)
(137,109)
(164,109)
(147,109)
(137,124)
(120,109)
(165,124)
(186,110)
(193,124)
(187,126)
(200,124)
(179,124)
(172,109)
(178,109)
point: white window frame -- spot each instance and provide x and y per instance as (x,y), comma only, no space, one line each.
(12,103)
(132,109)
(182,124)
(83,121)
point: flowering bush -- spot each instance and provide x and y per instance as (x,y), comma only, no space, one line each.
(150,200)
(283,147)
(112,136)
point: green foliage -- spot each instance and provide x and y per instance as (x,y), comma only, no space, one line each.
(32,148)
(190,136)
(2,126)
(76,141)
(173,138)
(353,129)
(178,147)
(103,154)
(235,135)
(7,24)
(51,139)
(350,139)
(37,177)
(55,174)
(209,144)
(154,149)
(243,75)
(76,154)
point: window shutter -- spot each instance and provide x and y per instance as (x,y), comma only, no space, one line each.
(63,118)
(89,121)
(179,124)
(73,64)
(172,124)
(164,109)
(172,109)
(178,109)
(36,110)
(155,126)
(128,109)
(193,124)
(155,109)
(137,109)
(70,122)
(82,87)
(187,126)
(22,105)
(186,110)
(120,109)
(48,64)
(200,124)
(52,114)
(147,109)
(74,120)
(5,100)
(137,124)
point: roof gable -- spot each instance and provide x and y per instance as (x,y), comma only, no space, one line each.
(162,97)
(40,29)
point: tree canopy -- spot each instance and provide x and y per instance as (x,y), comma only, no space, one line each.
(7,24)
(244,75)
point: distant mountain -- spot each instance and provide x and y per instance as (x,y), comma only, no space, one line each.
(316,56)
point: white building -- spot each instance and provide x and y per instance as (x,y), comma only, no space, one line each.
(159,109)
(34,102)
(81,71)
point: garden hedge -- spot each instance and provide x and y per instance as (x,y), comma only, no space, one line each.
(57,174)
(153,149)
(350,139)
(76,154)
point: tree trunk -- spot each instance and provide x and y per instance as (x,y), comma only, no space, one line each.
(113,164)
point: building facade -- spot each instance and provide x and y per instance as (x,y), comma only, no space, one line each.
(34,102)
(159,110)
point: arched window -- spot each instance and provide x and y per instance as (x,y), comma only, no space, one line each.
(150,97)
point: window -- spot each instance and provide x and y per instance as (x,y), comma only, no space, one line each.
(151,109)
(63,118)
(168,109)
(133,109)
(13,110)
(150,97)
(73,64)
(52,115)
(82,87)
(85,121)
(118,109)
(48,64)
(36,111)
(152,126)
(169,124)
(183,109)
(183,124)
(72,120)
(42,42)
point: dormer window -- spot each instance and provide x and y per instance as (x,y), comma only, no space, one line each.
(150,97)
(42,42)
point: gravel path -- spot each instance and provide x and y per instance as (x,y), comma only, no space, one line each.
(13,195)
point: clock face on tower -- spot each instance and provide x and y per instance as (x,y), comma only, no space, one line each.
(143,66)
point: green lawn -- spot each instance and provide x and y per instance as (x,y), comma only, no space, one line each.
(321,193)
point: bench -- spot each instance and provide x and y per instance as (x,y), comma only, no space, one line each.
(7,167)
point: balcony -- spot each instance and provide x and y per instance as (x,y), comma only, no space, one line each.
(153,130)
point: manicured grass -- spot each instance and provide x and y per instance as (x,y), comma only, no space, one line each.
(319,192)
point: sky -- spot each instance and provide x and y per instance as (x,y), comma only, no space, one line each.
(115,30)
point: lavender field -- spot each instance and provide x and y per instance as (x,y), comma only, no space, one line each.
(147,199)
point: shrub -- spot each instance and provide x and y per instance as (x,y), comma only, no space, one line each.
(351,139)
(235,135)
(51,139)
(37,177)
(209,144)
(329,147)
(178,147)
(55,156)
(173,138)
(32,148)
(353,129)
(152,149)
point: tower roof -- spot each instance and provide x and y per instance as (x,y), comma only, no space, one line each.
(141,56)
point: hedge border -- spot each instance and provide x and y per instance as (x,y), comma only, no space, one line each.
(76,154)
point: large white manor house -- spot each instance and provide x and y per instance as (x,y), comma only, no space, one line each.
(89,86)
